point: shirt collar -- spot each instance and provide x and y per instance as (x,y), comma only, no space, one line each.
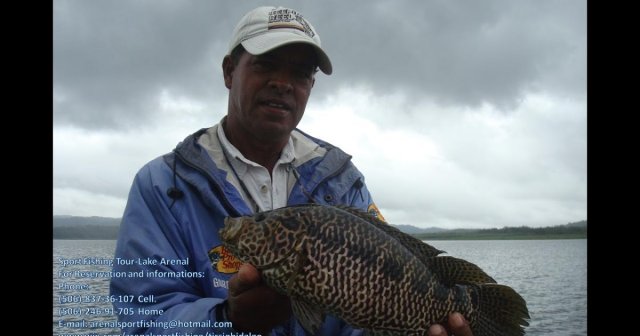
(240,162)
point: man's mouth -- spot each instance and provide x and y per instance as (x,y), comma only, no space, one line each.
(277,104)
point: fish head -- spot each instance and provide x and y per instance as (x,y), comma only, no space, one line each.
(266,238)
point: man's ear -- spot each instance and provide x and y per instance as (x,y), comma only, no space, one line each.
(227,70)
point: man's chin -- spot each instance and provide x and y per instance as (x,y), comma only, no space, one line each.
(274,131)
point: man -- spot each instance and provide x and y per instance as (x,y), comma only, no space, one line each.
(171,271)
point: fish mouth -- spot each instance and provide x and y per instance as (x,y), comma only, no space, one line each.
(231,230)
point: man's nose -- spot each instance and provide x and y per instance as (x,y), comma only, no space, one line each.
(281,82)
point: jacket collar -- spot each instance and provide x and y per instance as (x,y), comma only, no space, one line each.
(194,163)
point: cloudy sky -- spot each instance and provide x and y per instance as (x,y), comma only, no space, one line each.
(459,113)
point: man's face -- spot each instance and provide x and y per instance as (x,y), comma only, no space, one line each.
(268,93)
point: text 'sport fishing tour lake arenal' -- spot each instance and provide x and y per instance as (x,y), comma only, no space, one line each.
(551,275)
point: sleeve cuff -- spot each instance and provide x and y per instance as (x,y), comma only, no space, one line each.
(221,311)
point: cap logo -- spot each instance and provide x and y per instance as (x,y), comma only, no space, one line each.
(288,18)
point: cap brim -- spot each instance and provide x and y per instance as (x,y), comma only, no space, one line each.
(263,43)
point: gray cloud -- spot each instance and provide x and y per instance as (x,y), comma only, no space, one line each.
(112,58)
(458,52)
(424,68)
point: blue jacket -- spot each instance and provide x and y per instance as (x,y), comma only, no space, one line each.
(149,298)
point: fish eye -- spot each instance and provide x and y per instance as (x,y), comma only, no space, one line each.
(259,217)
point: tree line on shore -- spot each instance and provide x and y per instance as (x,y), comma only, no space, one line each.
(74,227)
(577,230)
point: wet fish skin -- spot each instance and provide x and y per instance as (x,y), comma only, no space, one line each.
(345,262)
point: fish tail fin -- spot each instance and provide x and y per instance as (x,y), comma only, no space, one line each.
(501,312)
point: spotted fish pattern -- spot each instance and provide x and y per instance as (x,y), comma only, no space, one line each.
(348,263)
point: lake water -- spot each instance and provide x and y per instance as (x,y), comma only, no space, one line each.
(551,275)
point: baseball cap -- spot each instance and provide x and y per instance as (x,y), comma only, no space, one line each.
(266,28)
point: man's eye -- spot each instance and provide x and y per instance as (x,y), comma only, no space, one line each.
(303,74)
(262,65)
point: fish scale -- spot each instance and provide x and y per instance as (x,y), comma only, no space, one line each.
(345,262)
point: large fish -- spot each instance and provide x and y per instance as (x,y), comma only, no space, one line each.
(346,262)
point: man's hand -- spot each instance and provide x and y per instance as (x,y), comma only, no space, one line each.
(458,326)
(252,305)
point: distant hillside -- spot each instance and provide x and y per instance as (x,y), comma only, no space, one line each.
(582,224)
(410,229)
(59,221)
(76,227)
(576,230)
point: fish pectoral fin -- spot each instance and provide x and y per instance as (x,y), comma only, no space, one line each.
(300,262)
(309,316)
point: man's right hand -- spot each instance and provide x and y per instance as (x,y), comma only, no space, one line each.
(252,305)
(457,324)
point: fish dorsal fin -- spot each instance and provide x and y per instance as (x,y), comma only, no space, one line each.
(452,271)
(309,316)
(416,246)
(449,269)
